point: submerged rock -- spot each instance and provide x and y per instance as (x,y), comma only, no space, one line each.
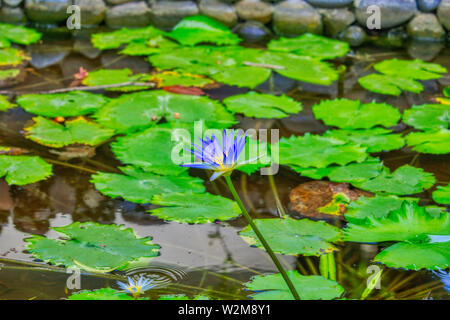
(166,14)
(92,11)
(428,5)
(330,3)
(336,20)
(133,14)
(425,51)
(47,11)
(12,15)
(392,12)
(443,13)
(354,35)
(43,56)
(253,31)
(295,17)
(425,26)
(220,11)
(254,10)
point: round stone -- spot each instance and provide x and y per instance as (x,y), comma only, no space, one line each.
(255,10)
(390,13)
(219,11)
(295,17)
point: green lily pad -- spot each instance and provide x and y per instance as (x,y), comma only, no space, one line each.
(389,84)
(76,131)
(71,104)
(309,44)
(273,287)
(172,78)
(435,141)
(403,181)
(149,47)
(91,245)
(423,238)
(232,76)
(428,116)
(151,150)
(21,170)
(253,104)
(442,194)
(411,69)
(12,57)
(116,76)
(375,140)
(182,297)
(100,294)
(115,39)
(8,73)
(194,208)
(140,187)
(380,206)
(320,152)
(200,29)
(141,110)
(19,34)
(5,104)
(352,114)
(293,237)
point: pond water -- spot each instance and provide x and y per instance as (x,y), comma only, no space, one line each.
(209,258)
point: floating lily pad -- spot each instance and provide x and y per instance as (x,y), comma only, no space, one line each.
(182,297)
(428,116)
(352,114)
(100,294)
(389,84)
(172,78)
(294,237)
(71,104)
(19,34)
(273,287)
(152,150)
(21,170)
(423,238)
(144,109)
(200,29)
(411,69)
(253,104)
(12,57)
(309,44)
(91,245)
(113,40)
(116,76)
(319,152)
(149,47)
(403,181)
(442,194)
(194,208)
(375,140)
(7,74)
(76,131)
(140,187)
(5,104)
(435,141)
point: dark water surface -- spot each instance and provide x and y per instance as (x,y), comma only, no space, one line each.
(209,258)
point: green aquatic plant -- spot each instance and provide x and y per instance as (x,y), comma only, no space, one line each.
(182,297)
(309,44)
(100,294)
(17,34)
(75,131)
(82,247)
(423,240)
(172,78)
(5,104)
(149,47)
(272,287)
(436,141)
(428,116)
(115,39)
(7,74)
(442,194)
(21,170)
(12,57)
(352,114)
(105,77)
(258,105)
(70,104)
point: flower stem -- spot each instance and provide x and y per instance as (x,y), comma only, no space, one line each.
(261,239)
(273,186)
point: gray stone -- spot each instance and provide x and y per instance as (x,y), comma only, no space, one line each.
(330,3)
(133,14)
(295,17)
(354,35)
(392,38)
(12,15)
(92,11)
(336,20)
(83,45)
(43,56)
(443,13)
(166,14)
(425,51)
(218,10)
(253,31)
(255,10)
(47,11)
(12,3)
(392,12)
(428,5)
(425,26)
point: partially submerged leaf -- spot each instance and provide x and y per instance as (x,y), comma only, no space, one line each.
(71,104)
(194,208)
(100,294)
(5,104)
(12,57)
(411,69)
(428,116)
(435,141)
(113,40)
(352,114)
(294,237)
(253,104)
(19,34)
(172,78)
(21,170)
(273,287)
(442,194)
(389,84)
(92,245)
(114,77)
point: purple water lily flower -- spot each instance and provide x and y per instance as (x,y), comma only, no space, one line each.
(136,287)
(445,278)
(221,158)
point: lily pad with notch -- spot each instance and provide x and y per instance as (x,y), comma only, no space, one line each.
(435,141)
(428,116)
